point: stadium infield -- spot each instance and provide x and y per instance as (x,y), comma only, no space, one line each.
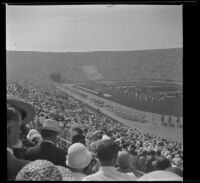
(170,106)
(174,134)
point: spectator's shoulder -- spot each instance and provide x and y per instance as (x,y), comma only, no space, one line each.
(31,150)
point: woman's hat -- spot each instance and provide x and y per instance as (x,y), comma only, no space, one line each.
(78,156)
(26,110)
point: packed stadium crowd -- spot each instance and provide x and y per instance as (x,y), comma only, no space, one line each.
(97,148)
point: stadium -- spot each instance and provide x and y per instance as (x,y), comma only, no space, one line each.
(94,95)
(157,98)
(152,106)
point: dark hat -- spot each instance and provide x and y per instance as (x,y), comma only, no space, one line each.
(26,110)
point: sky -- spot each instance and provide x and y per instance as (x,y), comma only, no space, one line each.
(82,28)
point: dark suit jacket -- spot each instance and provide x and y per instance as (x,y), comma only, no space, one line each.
(14,165)
(46,151)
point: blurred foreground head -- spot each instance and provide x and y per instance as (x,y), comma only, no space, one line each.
(39,170)
(160,176)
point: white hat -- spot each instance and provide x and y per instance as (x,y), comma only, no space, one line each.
(105,137)
(52,125)
(78,156)
(26,110)
(31,133)
(160,175)
(38,137)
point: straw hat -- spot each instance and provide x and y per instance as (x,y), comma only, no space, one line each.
(26,110)
(51,125)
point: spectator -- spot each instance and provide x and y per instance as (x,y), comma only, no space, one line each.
(107,152)
(160,175)
(177,162)
(157,153)
(39,170)
(75,130)
(47,150)
(77,160)
(162,163)
(124,164)
(54,104)
(134,159)
(18,112)
(142,160)
(160,146)
(78,138)
(150,158)
(34,137)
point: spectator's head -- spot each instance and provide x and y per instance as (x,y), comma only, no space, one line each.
(162,163)
(78,138)
(125,146)
(158,153)
(178,162)
(144,153)
(166,153)
(18,112)
(78,157)
(160,145)
(96,135)
(39,170)
(133,147)
(107,152)
(124,160)
(50,130)
(34,137)
(175,170)
(150,154)
(75,130)
(118,141)
(169,157)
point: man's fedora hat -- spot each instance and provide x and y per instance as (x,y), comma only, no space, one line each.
(26,110)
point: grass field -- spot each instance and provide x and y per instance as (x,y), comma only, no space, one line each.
(170,106)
